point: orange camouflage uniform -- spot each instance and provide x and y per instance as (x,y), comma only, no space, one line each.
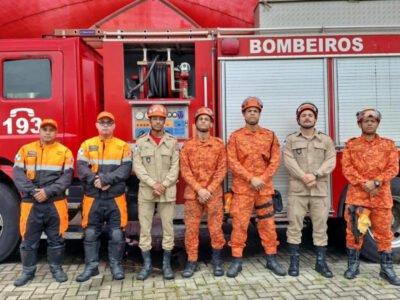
(363,161)
(250,155)
(203,165)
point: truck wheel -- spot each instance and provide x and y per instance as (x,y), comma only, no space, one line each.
(9,221)
(369,249)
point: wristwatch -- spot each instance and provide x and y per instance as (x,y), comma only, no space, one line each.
(316,174)
(377,183)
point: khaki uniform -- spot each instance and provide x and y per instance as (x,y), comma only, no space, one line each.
(307,155)
(156,163)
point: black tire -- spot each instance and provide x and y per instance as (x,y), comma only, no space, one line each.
(369,249)
(9,221)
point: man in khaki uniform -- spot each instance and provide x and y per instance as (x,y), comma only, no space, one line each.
(310,156)
(156,164)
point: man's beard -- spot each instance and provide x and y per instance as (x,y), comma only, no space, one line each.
(307,126)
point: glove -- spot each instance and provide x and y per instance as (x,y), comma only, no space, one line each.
(364,222)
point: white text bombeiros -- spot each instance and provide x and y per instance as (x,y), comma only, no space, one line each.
(306,45)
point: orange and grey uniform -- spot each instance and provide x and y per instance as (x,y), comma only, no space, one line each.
(363,161)
(111,161)
(49,167)
(303,155)
(203,166)
(253,154)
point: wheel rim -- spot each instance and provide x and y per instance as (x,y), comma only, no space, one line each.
(395,222)
(1,225)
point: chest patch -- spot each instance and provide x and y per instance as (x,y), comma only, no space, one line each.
(298,151)
(93,148)
(32,153)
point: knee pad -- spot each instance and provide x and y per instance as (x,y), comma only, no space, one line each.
(29,246)
(116,235)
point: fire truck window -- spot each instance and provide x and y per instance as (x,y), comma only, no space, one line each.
(27,79)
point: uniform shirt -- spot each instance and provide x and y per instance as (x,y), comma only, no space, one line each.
(43,166)
(109,159)
(365,160)
(157,163)
(203,165)
(303,155)
(250,155)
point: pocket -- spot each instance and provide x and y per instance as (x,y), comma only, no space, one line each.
(166,157)
(147,156)
(170,193)
(320,149)
(296,186)
(299,149)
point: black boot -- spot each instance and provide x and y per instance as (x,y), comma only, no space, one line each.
(294,267)
(55,257)
(91,261)
(274,266)
(147,267)
(353,263)
(190,268)
(235,267)
(29,259)
(387,271)
(216,261)
(320,264)
(116,252)
(166,267)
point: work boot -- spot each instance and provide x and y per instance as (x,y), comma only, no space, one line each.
(387,271)
(353,263)
(28,259)
(320,264)
(116,252)
(235,267)
(55,257)
(190,268)
(166,268)
(91,261)
(147,267)
(294,267)
(274,266)
(218,269)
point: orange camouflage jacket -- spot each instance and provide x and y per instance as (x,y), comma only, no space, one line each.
(203,165)
(250,155)
(365,160)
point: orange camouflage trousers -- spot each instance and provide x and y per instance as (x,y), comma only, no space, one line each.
(241,210)
(381,220)
(193,214)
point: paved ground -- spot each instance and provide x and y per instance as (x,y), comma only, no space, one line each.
(255,282)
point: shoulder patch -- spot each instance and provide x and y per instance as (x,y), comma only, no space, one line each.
(17,157)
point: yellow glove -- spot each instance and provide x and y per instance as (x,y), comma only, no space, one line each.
(364,222)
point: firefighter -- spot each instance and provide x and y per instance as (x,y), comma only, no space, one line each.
(43,171)
(104,164)
(203,167)
(156,164)
(369,163)
(309,156)
(253,158)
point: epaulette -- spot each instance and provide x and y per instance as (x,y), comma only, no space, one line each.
(291,134)
(320,132)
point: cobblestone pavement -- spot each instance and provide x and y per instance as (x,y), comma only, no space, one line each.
(254,282)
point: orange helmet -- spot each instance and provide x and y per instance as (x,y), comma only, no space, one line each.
(369,112)
(157,110)
(252,102)
(306,106)
(204,111)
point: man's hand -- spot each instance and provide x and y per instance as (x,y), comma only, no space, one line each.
(158,189)
(105,188)
(40,195)
(257,183)
(311,184)
(374,192)
(308,178)
(203,195)
(369,186)
(97,182)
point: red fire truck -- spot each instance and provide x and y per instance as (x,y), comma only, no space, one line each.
(74,74)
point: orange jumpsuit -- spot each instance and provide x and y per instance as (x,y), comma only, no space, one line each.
(363,161)
(203,165)
(253,154)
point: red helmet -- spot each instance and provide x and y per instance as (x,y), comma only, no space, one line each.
(307,106)
(252,102)
(369,112)
(157,110)
(204,111)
